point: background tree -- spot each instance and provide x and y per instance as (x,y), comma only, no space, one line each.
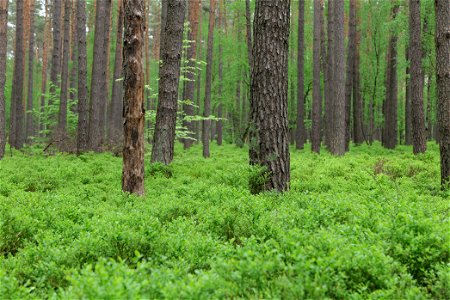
(300,128)
(317,97)
(358,123)
(133,110)
(55,71)
(83,108)
(3,49)
(268,96)
(31,41)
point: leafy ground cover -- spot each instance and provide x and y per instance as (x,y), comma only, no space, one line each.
(372,224)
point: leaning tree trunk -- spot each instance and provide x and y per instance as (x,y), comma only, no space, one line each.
(269,93)
(169,77)
(207,105)
(16,118)
(3,49)
(317,97)
(300,123)
(115,122)
(418,118)
(443,85)
(82,128)
(29,115)
(133,100)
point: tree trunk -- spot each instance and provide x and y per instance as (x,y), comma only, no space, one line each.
(45,47)
(194,7)
(29,115)
(428,110)
(269,105)
(169,77)
(62,120)
(317,97)
(55,71)
(83,126)
(219,124)
(199,73)
(329,95)
(16,119)
(337,145)
(358,136)
(443,85)
(248,27)
(418,119)
(3,50)
(408,109)
(209,59)
(115,123)
(300,123)
(73,59)
(133,102)
(389,138)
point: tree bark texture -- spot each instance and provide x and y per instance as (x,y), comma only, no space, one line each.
(418,117)
(269,95)
(442,8)
(317,97)
(29,114)
(133,102)
(300,123)
(329,95)
(45,46)
(169,77)
(358,125)
(3,50)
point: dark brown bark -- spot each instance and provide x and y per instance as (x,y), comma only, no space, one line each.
(115,123)
(389,137)
(3,49)
(300,123)
(62,119)
(206,124)
(194,8)
(29,115)
(219,124)
(358,134)
(408,109)
(16,130)
(83,126)
(133,101)
(337,141)
(329,95)
(269,95)
(418,118)
(169,77)
(55,71)
(317,97)
(442,8)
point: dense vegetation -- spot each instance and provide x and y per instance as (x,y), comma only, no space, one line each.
(372,224)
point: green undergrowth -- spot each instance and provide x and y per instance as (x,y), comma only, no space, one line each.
(370,225)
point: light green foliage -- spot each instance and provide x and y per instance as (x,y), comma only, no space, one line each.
(372,224)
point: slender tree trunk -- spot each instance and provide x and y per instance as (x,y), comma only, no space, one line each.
(330,76)
(408,109)
(46,45)
(270,144)
(133,102)
(237,116)
(317,97)
(428,111)
(358,136)
(248,27)
(418,119)
(3,50)
(219,108)
(323,64)
(442,8)
(16,119)
(73,59)
(117,90)
(209,60)
(194,7)
(199,74)
(83,107)
(55,71)
(62,120)
(29,114)
(300,123)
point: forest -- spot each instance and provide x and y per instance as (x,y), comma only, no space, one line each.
(215,149)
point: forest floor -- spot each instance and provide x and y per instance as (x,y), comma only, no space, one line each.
(372,224)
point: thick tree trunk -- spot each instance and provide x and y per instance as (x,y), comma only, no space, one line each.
(133,102)
(269,91)
(209,59)
(62,119)
(443,85)
(418,118)
(55,71)
(337,140)
(115,123)
(3,50)
(408,109)
(300,123)
(194,7)
(29,115)
(169,77)
(329,88)
(16,119)
(83,126)
(317,97)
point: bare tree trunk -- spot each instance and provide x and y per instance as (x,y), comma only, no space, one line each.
(329,93)
(46,45)
(209,60)
(408,108)
(169,74)
(443,85)
(418,119)
(269,118)
(55,71)
(29,115)
(117,90)
(73,59)
(428,111)
(300,123)
(219,124)
(317,97)
(16,119)
(62,120)
(358,136)
(83,126)
(3,50)
(133,109)
(199,74)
